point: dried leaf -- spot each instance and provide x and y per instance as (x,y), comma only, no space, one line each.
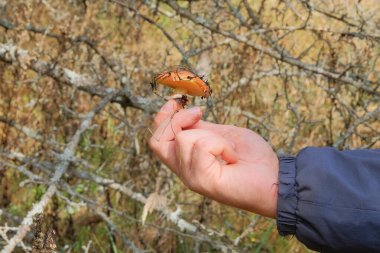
(154,201)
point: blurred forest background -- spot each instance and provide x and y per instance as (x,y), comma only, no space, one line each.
(76,174)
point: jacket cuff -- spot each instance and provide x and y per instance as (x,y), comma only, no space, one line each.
(287,197)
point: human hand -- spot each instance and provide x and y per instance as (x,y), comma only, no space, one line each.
(232,165)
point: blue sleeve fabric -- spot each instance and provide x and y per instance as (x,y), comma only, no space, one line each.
(330,199)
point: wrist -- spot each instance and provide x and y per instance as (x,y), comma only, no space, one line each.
(273,190)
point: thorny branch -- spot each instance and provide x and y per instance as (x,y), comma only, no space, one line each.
(298,72)
(11,54)
(172,216)
(282,55)
(59,170)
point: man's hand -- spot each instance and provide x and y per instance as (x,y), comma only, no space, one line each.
(232,165)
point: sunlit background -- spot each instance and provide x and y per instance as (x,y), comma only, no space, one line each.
(76,106)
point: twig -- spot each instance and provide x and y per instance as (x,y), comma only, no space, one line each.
(60,169)
(12,54)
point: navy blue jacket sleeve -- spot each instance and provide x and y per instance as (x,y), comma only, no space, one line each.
(330,199)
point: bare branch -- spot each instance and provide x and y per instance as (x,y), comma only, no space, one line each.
(12,54)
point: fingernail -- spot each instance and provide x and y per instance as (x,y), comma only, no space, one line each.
(194,110)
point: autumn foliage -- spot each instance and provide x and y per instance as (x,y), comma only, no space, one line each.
(76,106)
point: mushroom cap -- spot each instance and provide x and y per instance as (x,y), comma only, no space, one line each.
(184,81)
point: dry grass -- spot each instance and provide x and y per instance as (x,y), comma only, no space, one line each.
(287,99)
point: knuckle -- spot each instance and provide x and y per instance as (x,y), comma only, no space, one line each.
(201,144)
(233,128)
(156,122)
(190,183)
(152,144)
(181,137)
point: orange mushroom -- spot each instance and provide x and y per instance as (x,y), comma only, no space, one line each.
(184,82)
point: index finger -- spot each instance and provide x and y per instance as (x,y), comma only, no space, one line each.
(166,111)
(216,128)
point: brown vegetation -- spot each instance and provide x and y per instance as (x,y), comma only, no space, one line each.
(76,105)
